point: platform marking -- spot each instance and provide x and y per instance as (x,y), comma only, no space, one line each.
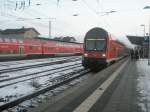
(92,99)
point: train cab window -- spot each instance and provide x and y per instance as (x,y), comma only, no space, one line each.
(100,44)
(95,44)
(90,45)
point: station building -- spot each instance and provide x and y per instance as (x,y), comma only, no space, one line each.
(19,33)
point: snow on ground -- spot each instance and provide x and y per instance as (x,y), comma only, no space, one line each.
(20,63)
(35,70)
(143,84)
(14,91)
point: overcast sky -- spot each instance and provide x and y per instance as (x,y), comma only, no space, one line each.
(126,21)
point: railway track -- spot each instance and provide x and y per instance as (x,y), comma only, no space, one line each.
(6,70)
(54,83)
(22,78)
(22,62)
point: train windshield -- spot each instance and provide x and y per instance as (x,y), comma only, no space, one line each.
(95,44)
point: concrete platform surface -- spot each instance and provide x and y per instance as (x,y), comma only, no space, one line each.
(130,93)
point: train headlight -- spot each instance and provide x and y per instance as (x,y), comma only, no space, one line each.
(104,55)
(85,54)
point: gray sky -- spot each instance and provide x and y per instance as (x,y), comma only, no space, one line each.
(127,20)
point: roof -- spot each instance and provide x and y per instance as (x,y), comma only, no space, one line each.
(138,40)
(15,31)
(42,38)
(96,32)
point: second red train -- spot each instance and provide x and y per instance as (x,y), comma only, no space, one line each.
(24,48)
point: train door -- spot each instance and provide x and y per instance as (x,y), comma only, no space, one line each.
(21,50)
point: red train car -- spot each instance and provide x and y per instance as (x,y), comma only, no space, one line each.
(32,47)
(59,48)
(11,48)
(100,48)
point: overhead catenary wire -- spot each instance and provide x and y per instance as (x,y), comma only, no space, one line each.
(89,7)
(96,13)
(36,12)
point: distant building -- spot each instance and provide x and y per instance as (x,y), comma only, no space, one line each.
(19,33)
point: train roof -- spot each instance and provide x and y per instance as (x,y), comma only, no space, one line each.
(42,38)
(96,33)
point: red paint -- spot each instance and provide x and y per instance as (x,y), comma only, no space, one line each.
(38,46)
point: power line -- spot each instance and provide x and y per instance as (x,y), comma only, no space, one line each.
(89,7)
(96,12)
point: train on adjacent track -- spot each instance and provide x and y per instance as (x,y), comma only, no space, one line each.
(101,48)
(12,48)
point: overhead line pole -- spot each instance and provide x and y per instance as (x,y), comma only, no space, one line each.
(143,25)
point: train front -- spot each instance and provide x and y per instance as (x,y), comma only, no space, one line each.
(95,48)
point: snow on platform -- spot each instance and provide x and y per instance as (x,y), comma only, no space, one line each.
(143,84)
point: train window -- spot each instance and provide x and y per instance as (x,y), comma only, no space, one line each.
(14,40)
(11,51)
(14,51)
(30,47)
(20,41)
(7,40)
(95,44)
(50,48)
(1,40)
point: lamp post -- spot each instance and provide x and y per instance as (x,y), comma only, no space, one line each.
(148,7)
(50,25)
(143,25)
(50,22)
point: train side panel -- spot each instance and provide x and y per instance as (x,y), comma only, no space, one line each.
(11,48)
(32,47)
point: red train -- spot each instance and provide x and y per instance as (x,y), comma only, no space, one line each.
(23,48)
(101,48)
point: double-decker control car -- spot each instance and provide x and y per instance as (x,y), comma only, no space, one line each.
(101,48)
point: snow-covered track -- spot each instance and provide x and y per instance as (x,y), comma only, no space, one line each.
(6,70)
(23,78)
(56,82)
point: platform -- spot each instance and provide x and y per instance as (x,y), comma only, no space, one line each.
(121,91)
